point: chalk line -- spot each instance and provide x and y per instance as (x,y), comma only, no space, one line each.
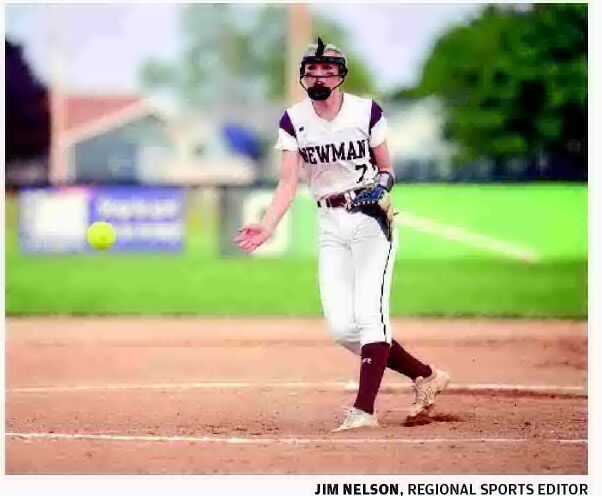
(469,238)
(334,439)
(317,386)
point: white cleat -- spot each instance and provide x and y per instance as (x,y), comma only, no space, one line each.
(357,418)
(426,391)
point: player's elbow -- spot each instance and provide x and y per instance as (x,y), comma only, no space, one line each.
(382,157)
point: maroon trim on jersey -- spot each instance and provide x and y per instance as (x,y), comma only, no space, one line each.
(287,125)
(375,114)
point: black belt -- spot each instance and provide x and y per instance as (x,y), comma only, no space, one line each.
(338,201)
(334,201)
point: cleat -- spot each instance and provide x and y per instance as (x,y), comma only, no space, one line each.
(427,390)
(355,419)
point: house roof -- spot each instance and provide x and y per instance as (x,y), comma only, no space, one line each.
(86,116)
(82,110)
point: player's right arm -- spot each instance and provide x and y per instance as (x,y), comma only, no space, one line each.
(251,236)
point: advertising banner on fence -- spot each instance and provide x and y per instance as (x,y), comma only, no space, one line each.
(145,219)
(296,234)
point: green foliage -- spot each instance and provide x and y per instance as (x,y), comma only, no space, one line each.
(233,53)
(514,82)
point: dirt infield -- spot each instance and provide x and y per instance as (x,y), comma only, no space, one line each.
(239,396)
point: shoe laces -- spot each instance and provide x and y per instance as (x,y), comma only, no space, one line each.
(351,413)
(423,391)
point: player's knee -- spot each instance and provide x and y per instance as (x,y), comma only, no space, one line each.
(349,342)
(367,322)
(340,329)
(344,333)
(373,329)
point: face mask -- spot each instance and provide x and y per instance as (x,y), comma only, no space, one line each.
(318,92)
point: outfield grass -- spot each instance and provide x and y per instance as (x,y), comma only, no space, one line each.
(157,285)
(548,218)
(433,276)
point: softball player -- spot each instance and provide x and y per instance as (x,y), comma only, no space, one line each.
(339,140)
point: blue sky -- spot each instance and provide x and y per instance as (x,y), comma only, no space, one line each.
(104,44)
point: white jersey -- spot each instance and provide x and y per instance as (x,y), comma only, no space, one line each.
(336,155)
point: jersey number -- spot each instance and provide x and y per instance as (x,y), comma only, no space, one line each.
(363,168)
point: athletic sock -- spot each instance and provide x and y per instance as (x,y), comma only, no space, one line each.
(372,368)
(404,363)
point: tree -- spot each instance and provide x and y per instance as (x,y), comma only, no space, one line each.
(514,84)
(236,53)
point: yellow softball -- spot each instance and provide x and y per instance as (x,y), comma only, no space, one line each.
(101,235)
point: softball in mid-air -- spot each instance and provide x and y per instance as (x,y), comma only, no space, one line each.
(101,235)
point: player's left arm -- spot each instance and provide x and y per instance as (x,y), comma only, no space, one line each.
(379,129)
(383,158)
(383,182)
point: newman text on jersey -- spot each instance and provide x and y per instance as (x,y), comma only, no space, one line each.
(331,153)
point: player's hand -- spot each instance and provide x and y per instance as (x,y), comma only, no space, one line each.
(375,202)
(374,195)
(251,236)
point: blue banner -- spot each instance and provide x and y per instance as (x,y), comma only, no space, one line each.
(145,219)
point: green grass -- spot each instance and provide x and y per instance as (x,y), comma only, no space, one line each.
(549,218)
(432,277)
(156,285)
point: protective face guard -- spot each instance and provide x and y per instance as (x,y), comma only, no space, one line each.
(323,59)
(340,61)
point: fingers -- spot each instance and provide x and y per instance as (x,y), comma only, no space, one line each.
(242,236)
(249,245)
(248,241)
(244,243)
(244,240)
(245,232)
(249,237)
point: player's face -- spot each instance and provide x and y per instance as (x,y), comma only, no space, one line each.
(321,75)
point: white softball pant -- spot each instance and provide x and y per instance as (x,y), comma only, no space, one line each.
(355,270)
